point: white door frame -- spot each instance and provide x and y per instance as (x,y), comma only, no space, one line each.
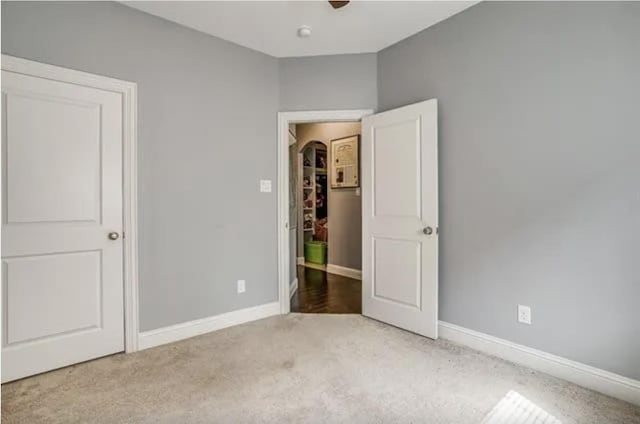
(284,119)
(129,167)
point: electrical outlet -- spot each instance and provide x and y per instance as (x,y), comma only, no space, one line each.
(242,286)
(524,314)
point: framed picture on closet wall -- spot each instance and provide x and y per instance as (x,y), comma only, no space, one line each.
(345,162)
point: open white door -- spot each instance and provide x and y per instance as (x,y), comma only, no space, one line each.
(400,217)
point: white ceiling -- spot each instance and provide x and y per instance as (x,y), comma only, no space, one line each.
(270,26)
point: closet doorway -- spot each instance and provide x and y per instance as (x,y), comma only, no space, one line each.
(325,217)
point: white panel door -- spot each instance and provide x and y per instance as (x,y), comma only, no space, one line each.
(400,217)
(62,275)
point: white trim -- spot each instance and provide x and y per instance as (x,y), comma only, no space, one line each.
(129,165)
(344,271)
(292,139)
(284,119)
(319,267)
(197,327)
(293,287)
(300,260)
(583,375)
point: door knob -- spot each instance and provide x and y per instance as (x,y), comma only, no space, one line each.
(427,230)
(113,236)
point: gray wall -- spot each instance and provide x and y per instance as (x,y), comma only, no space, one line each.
(344,206)
(328,82)
(203,222)
(539,149)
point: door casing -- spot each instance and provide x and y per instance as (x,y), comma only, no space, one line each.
(128,90)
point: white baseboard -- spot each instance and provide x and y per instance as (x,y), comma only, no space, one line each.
(583,375)
(300,260)
(345,272)
(293,287)
(319,267)
(197,327)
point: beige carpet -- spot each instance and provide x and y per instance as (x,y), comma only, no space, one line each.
(299,369)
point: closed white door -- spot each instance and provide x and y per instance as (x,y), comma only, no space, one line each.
(62,264)
(400,217)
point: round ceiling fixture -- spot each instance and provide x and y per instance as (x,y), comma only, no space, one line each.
(304,31)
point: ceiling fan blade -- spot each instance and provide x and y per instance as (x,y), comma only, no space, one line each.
(338,4)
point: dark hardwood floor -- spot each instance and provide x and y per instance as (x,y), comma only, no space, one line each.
(321,292)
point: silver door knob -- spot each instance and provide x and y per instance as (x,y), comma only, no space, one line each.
(113,236)
(427,230)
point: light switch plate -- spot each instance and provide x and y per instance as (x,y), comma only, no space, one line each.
(265,186)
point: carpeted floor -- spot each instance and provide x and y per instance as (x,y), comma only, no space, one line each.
(299,369)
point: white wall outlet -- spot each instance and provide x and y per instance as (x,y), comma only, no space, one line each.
(265,186)
(524,314)
(242,286)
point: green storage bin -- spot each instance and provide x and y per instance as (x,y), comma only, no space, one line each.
(315,252)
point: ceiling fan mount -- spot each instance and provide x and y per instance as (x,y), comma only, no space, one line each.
(338,4)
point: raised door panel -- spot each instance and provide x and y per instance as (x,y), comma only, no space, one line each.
(59,159)
(397,271)
(396,170)
(52,278)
